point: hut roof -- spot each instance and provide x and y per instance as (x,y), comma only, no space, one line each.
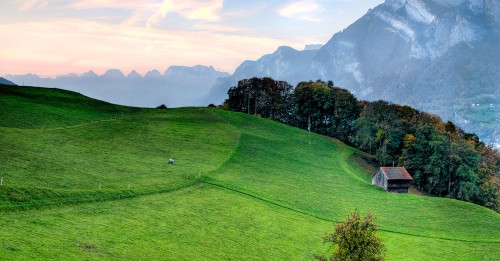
(396,173)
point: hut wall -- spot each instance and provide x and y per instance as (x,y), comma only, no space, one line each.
(379,179)
(398,186)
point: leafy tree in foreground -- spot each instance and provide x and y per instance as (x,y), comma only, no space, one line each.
(355,239)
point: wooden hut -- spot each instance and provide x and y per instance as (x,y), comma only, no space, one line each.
(392,179)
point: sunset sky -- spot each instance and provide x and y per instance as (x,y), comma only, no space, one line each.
(55,37)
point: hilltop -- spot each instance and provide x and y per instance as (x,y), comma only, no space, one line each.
(85,179)
(6,82)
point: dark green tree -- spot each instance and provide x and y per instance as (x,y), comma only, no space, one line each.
(380,130)
(465,162)
(489,183)
(238,97)
(346,110)
(313,105)
(427,158)
(261,96)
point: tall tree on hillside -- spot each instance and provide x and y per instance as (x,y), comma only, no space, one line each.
(489,178)
(313,105)
(263,96)
(465,163)
(364,130)
(237,100)
(426,157)
(451,133)
(380,130)
(408,116)
(275,100)
(346,110)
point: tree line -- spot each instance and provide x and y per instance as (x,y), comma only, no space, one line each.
(443,159)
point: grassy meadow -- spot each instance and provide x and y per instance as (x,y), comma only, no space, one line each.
(84,179)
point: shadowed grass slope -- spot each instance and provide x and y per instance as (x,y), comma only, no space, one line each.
(28,107)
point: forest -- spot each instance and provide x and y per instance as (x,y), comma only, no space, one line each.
(443,159)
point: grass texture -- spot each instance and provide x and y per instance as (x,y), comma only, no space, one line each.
(84,179)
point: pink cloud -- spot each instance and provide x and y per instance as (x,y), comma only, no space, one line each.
(117,4)
(207,10)
(30,4)
(57,46)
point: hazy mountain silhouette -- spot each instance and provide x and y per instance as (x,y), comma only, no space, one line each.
(178,86)
(6,82)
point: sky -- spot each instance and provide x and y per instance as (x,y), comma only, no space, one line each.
(56,37)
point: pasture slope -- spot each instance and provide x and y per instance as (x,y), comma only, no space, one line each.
(84,179)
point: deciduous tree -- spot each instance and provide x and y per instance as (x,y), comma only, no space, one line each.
(355,239)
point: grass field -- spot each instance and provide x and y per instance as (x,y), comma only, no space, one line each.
(83,179)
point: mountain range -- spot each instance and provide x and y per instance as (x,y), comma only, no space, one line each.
(440,56)
(177,86)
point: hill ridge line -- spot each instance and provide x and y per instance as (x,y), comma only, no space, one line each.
(210,181)
(117,196)
(213,182)
(345,154)
(231,154)
(74,126)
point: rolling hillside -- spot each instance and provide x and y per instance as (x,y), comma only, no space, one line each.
(84,179)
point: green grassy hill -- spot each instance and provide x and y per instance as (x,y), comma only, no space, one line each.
(83,179)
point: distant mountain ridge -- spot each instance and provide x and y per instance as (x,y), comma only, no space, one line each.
(440,56)
(285,63)
(178,86)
